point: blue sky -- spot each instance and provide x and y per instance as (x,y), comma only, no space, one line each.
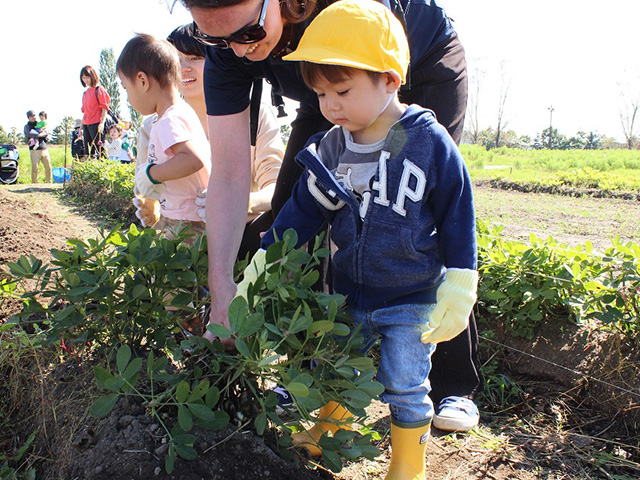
(569,54)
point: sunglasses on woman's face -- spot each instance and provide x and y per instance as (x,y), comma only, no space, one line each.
(251,34)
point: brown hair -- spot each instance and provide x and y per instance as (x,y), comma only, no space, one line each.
(152,56)
(89,71)
(117,127)
(313,72)
(43,114)
(293,11)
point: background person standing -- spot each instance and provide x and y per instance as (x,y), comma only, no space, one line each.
(38,151)
(95,104)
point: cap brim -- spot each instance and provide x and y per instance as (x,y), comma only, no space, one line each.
(326,56)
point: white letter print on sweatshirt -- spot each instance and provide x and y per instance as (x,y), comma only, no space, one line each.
(404,190)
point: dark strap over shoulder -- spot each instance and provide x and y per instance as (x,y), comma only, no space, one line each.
(254,109)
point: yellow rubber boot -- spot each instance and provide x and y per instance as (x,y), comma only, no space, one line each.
(337,417)
(408,449)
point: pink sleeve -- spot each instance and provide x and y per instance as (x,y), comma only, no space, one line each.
(103,97)
(173,131)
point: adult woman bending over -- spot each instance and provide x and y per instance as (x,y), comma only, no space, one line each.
(246,40)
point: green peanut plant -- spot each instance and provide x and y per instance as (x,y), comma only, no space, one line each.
(132,293)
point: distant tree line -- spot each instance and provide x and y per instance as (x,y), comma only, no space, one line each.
(548,138)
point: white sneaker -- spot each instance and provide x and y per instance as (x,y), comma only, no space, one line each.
(456,414)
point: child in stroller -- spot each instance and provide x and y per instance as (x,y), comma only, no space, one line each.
(9,164)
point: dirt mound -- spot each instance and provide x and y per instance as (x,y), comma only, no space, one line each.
(562,421)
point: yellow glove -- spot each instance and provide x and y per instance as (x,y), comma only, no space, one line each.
(252,271)
(454,300)
(147,210)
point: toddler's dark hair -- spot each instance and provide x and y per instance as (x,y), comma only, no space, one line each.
(314,72)
(152,56)
(43,114)
(117,127)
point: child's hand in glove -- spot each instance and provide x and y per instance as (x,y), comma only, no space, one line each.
(147,209)
(454,300)
(148,187)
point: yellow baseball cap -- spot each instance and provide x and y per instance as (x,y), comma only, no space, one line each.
(356,33)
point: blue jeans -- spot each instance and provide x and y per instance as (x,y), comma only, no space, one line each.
(405,361)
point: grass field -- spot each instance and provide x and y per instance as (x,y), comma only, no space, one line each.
(617,170)
(57,160)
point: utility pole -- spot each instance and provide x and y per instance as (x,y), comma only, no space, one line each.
(550,124)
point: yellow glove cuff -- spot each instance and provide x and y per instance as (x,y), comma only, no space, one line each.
(252,271)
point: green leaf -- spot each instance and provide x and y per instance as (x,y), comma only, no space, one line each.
(133,368)
(360,363)
(304,378)
(199,391)
(202,411)
(188,453)
(333,309)
(297,389)
(356,398)
(140,292)
(122,357)
(184,418)
(170,459)
(182,299)
(261,423)
(301,324)
(267,360)
(242,348)
(103,405)
(221,421)
(237,313)
(332,460)
(182,392)
(187,439)
(341,330)
(252,325)
(150,361)
(320,327)
(373,389)
(212,397)
(114,383)
(101,375)
(218,330)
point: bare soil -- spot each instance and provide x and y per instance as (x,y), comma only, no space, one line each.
(575,413)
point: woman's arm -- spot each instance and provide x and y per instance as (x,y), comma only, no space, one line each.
(103,117)
(226,207)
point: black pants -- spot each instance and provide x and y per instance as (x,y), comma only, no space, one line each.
(438,82)
(93,141)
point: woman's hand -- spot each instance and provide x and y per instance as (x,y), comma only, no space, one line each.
(100,127)
(224,293)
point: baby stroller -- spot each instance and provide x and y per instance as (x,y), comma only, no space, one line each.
(9,170)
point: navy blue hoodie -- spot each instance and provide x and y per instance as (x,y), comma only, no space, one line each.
(419,222)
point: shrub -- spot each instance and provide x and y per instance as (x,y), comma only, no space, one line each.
(131,292)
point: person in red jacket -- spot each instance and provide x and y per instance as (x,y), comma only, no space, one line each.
(95,104)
